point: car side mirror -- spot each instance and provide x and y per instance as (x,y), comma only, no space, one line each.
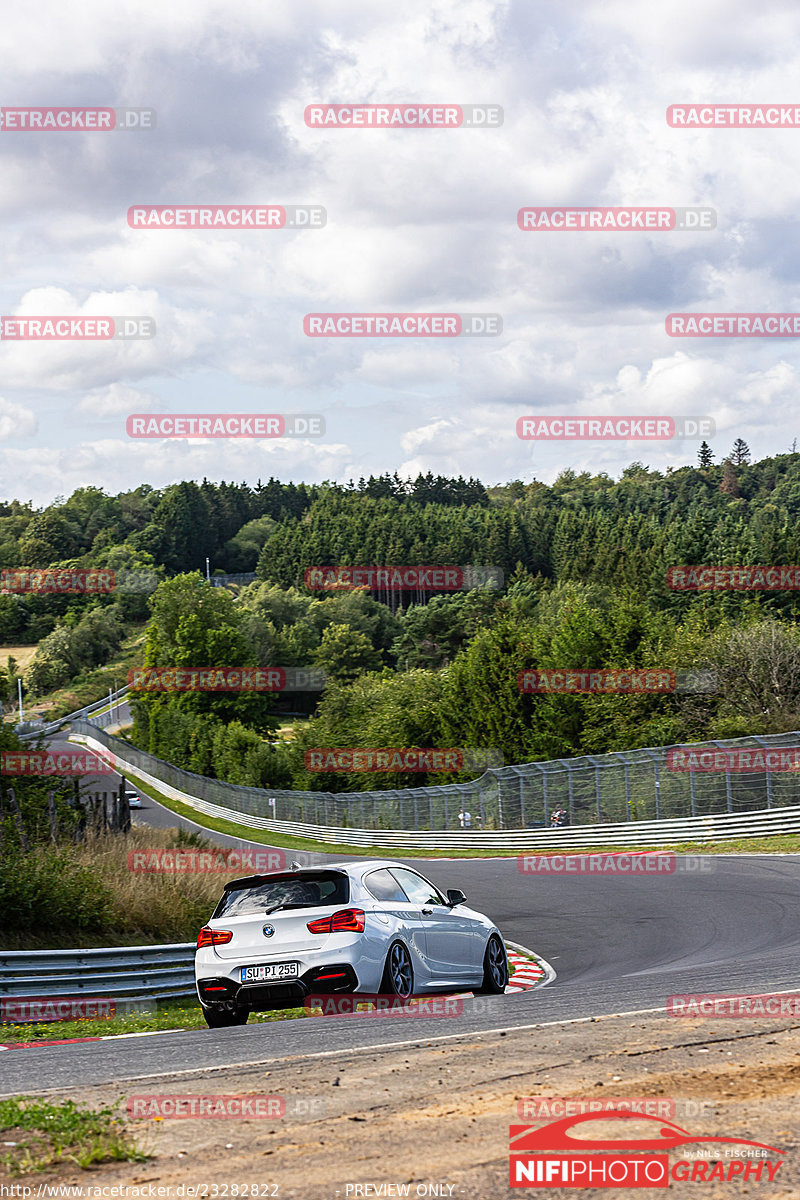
(454,897)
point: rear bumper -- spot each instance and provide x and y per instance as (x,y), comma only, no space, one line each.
(328,980)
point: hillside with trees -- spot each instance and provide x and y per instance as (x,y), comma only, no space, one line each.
(584,567)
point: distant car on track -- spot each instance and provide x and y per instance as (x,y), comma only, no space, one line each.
(373,926)
(134,800)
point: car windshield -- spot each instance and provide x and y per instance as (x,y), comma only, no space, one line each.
(309,890)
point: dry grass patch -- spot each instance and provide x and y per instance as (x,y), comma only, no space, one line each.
(128,906)
(23,655)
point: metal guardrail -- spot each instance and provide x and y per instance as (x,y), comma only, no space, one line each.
(242,577)
(88,713)
(717,827)
(120,972)
(102,713)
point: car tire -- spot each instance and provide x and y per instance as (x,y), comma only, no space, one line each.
(220,1018)
(398,973)
(495,968)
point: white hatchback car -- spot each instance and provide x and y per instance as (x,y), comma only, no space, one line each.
(373,926)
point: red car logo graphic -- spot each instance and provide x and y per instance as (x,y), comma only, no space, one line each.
(555,1136)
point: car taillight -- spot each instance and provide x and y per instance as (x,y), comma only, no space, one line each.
(346,920)
(213,937)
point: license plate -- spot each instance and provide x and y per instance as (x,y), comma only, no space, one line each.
(270,971)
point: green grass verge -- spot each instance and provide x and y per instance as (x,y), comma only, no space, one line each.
(183,1013)
(38,1136)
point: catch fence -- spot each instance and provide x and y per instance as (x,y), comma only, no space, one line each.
(625,786)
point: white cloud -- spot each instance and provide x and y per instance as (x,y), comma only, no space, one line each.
(418,220)
(15,420)
(116,400)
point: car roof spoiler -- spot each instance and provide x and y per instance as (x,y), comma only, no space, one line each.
(253,880)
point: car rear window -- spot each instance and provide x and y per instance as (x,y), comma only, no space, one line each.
(308,890)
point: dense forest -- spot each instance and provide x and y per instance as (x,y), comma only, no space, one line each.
(583,567)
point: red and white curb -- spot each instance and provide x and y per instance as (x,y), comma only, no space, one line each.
(530,970)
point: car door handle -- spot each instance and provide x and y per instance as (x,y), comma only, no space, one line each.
(427,911)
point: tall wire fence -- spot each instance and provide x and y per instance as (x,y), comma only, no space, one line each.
(633,785)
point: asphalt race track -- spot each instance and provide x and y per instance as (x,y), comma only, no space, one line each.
(619,944)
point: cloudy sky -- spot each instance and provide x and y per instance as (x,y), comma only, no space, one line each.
(417,221)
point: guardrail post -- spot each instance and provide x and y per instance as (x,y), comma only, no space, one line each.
(566,763)
(693,788)
(546,804)
(627,769)
(728,790)
(596,766)
(768,772)
(657,780)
